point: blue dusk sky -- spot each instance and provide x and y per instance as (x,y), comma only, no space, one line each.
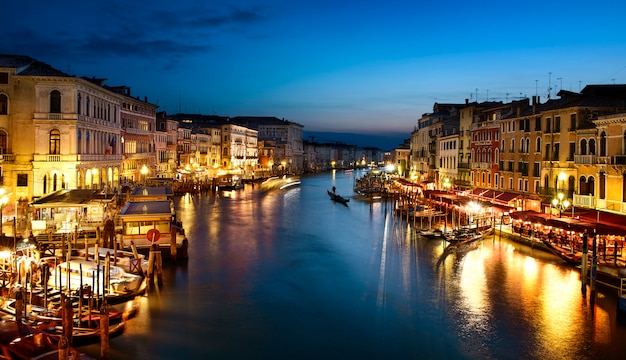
(340,66)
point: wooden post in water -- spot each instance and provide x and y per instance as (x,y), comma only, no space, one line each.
(68,317)
(583,267)
(63,246)
(594,266)
(151,257)
(75,239)
(98,235)
(87,250)
(173,241)
(158,262)
(64,351)
(19,308)
(104,331)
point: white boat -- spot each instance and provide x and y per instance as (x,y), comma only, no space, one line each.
(280,183)
(228,182)
(80,272)
(127,260)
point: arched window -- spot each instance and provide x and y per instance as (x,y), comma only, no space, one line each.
(3,142)
(527,145)
(538,145)
(55,142)
(55,102)
(583,147)
(603,144)
(4,104)
(592,146)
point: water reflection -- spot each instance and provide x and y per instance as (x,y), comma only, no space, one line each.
(290,274)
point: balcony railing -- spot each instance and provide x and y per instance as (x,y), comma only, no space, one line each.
(72,157)
(585,159)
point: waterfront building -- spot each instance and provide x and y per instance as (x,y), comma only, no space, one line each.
(282,139)
(80,120)
(538,156)
(239,150)
(611,160)
(448,158)
(426,136)
(183,147)
(402,158)
(166,155)
(485,145)
(138,130)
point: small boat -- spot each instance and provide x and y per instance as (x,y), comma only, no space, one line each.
(131,262)
(337,198)
(431,234)
(280,183)
(228,182)
(82,335)
(466,235)
(77,273)
(572,258)
(37,345)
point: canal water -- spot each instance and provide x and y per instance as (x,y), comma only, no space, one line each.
(288,274)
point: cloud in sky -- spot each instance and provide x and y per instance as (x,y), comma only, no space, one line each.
(329,65)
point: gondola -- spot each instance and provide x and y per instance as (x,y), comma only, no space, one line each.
(337,198)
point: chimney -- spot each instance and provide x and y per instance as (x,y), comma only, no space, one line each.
(534,104)
(145,99)
(466,101)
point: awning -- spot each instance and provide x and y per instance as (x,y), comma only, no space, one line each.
(494,196)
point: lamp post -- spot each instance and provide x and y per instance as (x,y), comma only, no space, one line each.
(144,173)
(559,203)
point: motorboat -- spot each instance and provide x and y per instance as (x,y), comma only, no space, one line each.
(77,273)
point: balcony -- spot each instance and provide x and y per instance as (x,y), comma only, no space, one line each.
(585,159)
(74,157)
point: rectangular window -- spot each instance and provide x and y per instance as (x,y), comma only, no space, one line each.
(538,123)
(22,179)
(4,77)
(572,122)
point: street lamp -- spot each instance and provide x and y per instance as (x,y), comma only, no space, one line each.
(559,203)
(446,184)
(144,172)
(3,201)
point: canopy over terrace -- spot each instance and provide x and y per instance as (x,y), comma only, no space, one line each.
(577,223)
(505,198)
(63,210)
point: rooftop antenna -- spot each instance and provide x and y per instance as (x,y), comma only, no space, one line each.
(549,84)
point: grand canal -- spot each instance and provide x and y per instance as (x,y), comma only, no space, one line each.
(289,274)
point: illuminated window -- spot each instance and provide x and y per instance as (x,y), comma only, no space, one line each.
(55,142)
(3,142)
